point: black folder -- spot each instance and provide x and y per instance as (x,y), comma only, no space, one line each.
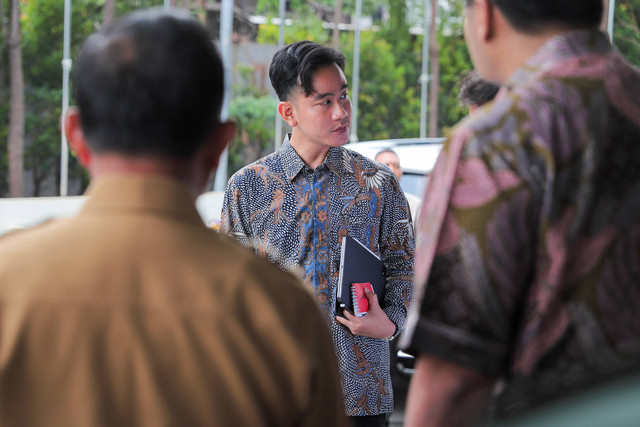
(358,264)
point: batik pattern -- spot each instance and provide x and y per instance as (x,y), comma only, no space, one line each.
(297,217)
(536,271)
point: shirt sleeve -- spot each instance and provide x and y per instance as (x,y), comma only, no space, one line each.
(234,219)
(397,249)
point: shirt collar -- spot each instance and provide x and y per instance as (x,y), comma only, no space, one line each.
(156,193)
(558,49)
(293,164)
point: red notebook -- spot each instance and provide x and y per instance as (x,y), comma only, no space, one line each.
(357,265)
(360,301)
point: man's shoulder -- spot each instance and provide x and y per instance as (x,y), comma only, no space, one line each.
(34,236)
(354,162)
(269,164)
(259,272)
(348,154)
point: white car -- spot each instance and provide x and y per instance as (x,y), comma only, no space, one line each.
(417,158)
(25,212)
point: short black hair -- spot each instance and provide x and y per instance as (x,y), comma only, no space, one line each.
(386,150)
(530,16)
(474,90)
(293,66)
(151,83)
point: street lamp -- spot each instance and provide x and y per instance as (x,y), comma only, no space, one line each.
(66,70)
(424,77)
(226,28)
(610,16)
(278,131)
(356,75)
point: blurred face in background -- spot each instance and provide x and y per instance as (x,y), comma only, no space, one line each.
(392,161)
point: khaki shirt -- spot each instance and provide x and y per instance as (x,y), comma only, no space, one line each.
(133,313)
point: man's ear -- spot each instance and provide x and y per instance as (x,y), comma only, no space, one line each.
(220,139)
(75,136)
(486,19)
(288,112)
(481,19)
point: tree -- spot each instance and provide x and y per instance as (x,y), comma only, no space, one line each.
(15,143)
(626,33)
(4,106)
(337,20)
(434,83)
(388,105)
(254,116)
(109,11)
(454,61)
(42,34)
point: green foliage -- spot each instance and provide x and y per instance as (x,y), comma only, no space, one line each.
(42,49)
(390,66)
(42,153)
(388,107)
(255,117)
(626,33)
(4,134)
(454,60)
(303,7)
(307,28)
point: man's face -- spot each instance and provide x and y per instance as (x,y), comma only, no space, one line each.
(323,118)
(392,161)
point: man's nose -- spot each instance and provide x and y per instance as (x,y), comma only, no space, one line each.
(339,111)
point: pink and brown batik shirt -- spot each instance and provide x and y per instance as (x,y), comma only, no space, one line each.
(529,261)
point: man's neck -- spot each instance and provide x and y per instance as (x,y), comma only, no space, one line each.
(518,54)
(113,164)
(312,155)
(516,48)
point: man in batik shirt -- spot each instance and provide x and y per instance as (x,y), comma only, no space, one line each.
(530,229)
(296,204)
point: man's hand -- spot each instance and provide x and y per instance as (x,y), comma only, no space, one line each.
(445,394)
(374,324)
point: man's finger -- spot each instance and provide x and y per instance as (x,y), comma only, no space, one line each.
(348,314)
(371,297)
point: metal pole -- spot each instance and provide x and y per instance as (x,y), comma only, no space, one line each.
(226,27)
(610,16)
(66,69)
(277,139)
(424,77)
(356,74)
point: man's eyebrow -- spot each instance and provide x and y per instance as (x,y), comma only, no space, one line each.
(317,96)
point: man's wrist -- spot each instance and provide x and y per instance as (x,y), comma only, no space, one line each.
(390,337)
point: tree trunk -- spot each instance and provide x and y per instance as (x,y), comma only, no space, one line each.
(109,12)
(201,9)
(434,83)
(15,141)
(337,19)
(3,32)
